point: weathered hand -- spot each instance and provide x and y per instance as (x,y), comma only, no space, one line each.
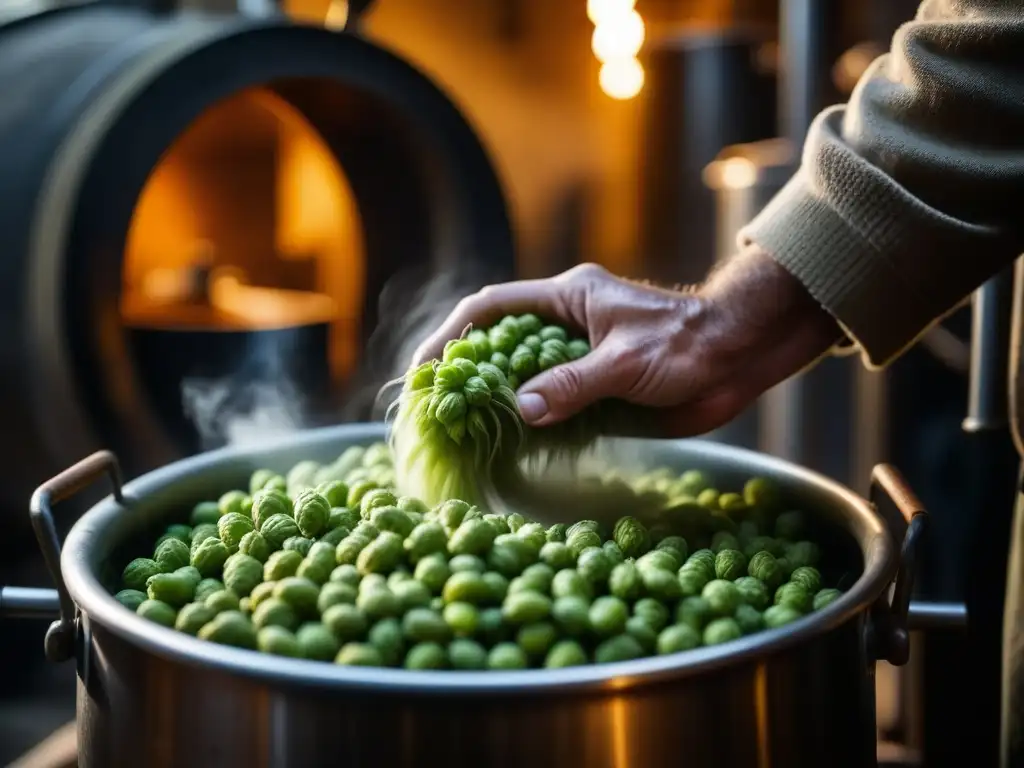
(700,355)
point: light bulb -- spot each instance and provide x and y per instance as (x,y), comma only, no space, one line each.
(599,11)
(337,15)
(621,78)
(620,38)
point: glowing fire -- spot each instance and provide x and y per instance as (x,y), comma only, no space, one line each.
(248,223)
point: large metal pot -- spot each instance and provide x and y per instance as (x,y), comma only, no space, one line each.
(800,696)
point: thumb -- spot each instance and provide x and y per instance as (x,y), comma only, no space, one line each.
(565,390)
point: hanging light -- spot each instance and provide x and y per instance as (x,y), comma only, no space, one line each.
(599,11)
(620,38)
(621,78)
(337,15)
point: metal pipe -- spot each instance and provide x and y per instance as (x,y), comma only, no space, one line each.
(29,603)
(987,405)
(801,23)
(801,46)
(927,615)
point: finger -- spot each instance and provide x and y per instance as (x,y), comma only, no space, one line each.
(563,391)
(489,305)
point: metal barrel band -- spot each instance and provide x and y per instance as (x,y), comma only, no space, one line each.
(892,633)
(60,637)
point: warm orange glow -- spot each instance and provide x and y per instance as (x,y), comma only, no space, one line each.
(267,307)
(337,15)
(618,38)
(248,222)
(622,78)
(738,173)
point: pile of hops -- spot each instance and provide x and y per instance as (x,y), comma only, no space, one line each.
(330,563)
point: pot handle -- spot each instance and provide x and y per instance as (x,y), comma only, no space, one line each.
(60,637)
(890,631)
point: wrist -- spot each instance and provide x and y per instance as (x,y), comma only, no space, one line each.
(756,302)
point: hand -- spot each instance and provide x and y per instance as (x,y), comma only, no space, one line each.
(701,355)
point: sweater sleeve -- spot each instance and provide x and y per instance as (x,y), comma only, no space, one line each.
(911,195)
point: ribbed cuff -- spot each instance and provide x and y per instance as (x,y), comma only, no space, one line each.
(878,260)
(840,269)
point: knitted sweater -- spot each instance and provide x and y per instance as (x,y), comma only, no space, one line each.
(912,194)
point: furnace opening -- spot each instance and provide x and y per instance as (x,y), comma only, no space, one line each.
(248,225)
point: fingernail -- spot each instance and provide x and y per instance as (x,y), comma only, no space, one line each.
(532,406)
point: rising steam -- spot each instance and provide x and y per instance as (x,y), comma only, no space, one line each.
(257,404)
(411,306)
(262,401)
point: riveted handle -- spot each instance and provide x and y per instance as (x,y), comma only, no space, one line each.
(891,493)
(60,637)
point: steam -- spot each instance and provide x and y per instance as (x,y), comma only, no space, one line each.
(257,404)
(262,400)
(412,305)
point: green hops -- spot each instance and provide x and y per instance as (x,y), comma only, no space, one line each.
(312,512)
(277,528)
(632,537)
(421,625)
(281,564)
(677,638)
(334,492)
(763,566)
(608,616)
(730,564)
(192,617)
(721,631)
(209,556)
(317,642)
(268,503)
(625,582)
(619,648)
(807,577)
(138,572)
(526,607)
(278,641)
(255,545)
(594,565)
(381,555)
(204,512)
(171,554)
(354,573)
(232,527)
(780,615)
(472,537)
(242,573)
(130,598)
(158,612)
(274,612)
(825,598)
(794,596)
(230,628)
(752,592)
(467,587)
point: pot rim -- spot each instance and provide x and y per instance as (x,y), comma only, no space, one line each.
(98,606)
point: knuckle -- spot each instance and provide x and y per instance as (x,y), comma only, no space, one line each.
(625,360)
(586,273)
(565,382)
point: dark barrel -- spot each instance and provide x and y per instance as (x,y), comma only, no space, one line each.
(94,96)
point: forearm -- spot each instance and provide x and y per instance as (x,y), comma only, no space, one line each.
(912,195)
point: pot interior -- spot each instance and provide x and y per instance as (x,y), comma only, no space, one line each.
(858,553)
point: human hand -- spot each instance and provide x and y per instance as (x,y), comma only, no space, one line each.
(701,355)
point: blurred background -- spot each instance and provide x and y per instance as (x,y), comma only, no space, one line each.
(215,248)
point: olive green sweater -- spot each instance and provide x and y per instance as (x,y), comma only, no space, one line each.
(912,194)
